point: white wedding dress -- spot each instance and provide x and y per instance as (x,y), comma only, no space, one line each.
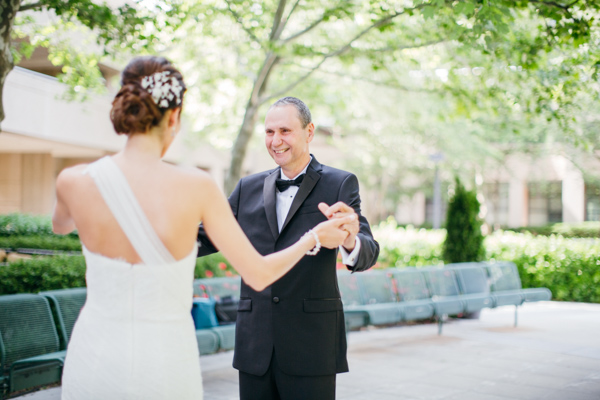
(135,337)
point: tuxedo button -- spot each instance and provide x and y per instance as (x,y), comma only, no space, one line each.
(275,300)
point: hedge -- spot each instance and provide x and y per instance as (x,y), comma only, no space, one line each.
(61,272)
(34,232)
(589,229)
(45,242)
(42,273)
(214,265)
(16,224)
(569,267)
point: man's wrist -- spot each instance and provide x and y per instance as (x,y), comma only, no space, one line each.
(350,258)
(349,249)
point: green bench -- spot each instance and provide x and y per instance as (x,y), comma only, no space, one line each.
(474,286)
(445,293)
(369,299)
(218,288)
(66,305)
(30,354)
(413,294)
(506,286)
(208,341)
(350,294)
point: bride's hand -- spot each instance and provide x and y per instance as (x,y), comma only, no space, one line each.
(330,233)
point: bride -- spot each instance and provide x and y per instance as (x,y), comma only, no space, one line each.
(138,218)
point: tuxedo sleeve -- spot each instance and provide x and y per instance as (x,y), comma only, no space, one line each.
(205,246)
(369,250)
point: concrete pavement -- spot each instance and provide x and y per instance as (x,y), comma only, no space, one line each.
(554,354)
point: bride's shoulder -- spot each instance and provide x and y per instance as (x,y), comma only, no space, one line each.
(192,176)
(71,174)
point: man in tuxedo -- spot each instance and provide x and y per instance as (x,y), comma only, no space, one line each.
(290,338)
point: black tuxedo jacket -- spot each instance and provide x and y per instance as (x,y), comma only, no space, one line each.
(300,316)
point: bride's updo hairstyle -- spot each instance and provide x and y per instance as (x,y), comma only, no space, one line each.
(150,86)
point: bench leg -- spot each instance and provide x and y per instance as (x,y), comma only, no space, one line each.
(516,311)
(440,324)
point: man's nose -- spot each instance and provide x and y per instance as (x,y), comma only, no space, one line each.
(277,139)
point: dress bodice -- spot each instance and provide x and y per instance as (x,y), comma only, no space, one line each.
(120,290)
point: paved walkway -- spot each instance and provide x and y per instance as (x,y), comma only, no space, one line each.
(554,354)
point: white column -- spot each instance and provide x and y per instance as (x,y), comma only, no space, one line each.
(419,208)
(573,195)
(517,203)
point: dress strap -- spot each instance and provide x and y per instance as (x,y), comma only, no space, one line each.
(123,204)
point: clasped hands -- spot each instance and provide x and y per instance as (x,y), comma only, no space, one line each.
(341,226)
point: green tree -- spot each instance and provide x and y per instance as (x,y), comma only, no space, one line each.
(113,29)
(276,46)
(464,240)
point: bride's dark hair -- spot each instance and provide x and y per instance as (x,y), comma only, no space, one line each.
(134,110)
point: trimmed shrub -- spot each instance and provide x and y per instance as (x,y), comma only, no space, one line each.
(464,240)
(570,268)
(25,224)
(589,229)
(408,246)
(46,242)
(213,266)
(61,272)
(42,273)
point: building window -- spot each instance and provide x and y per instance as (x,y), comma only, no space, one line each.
(496,202)
(592,202)
(545,203)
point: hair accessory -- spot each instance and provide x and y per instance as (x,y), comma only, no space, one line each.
(163,88)
(317,247)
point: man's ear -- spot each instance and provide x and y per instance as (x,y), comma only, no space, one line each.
(311,132)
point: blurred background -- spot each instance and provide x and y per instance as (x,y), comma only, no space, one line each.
(414,97)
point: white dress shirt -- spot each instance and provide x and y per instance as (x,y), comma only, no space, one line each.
(283,203)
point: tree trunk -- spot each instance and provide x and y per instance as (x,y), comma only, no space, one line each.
(238,153)
(240,147)
(8,11)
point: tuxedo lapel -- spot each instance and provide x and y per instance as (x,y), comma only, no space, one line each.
(269,200)
(310,180)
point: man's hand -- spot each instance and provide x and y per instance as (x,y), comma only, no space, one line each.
(340,210)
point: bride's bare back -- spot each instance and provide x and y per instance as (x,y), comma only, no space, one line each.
(170,197)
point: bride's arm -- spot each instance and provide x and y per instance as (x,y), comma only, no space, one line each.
(258,271)
(62,222)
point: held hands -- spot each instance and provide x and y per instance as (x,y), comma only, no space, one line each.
(331,234)
(341,210)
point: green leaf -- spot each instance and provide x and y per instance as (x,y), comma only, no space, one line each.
(428,12)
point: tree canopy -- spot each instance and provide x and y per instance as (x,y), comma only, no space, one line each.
(78,33)
(403,79)
(493,63)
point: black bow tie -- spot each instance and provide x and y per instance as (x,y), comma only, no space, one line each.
(284,184)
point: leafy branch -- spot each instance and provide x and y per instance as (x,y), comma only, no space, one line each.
(386,84)
(240,21)
(340,50)
(31,6)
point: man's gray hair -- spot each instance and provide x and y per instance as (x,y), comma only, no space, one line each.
(303,111)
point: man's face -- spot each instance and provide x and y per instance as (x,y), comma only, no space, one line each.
(286,140)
